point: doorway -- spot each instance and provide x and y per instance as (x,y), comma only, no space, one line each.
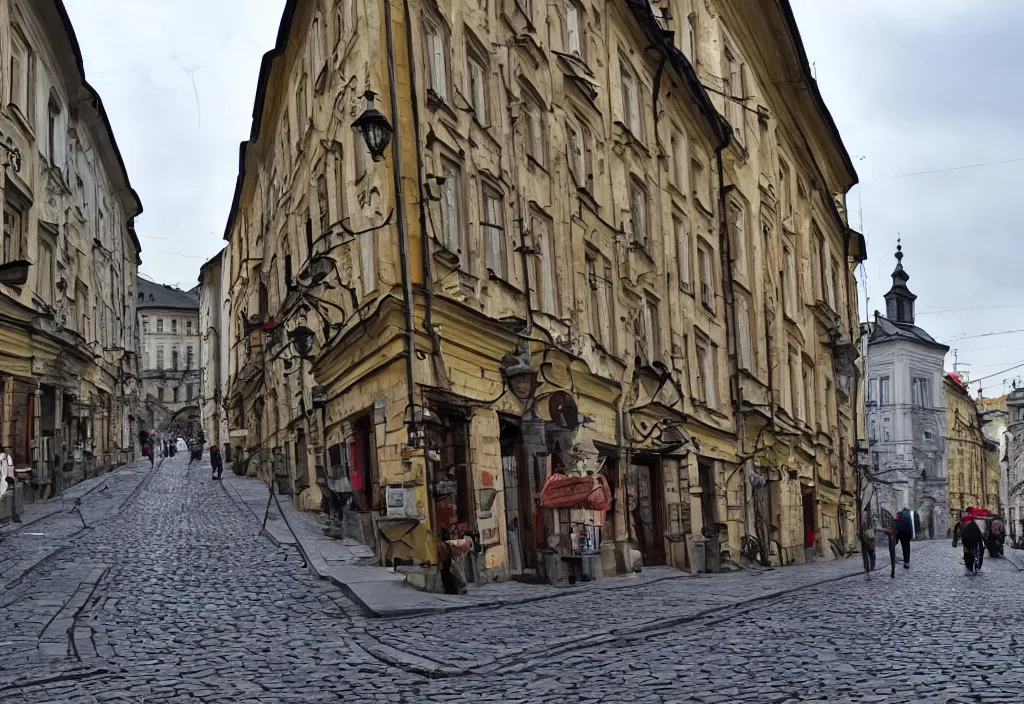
(810,524)
(449,480)
(646,512)
(518,499)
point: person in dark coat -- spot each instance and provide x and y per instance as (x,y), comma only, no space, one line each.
(973,541)
(216,462)
(905,533)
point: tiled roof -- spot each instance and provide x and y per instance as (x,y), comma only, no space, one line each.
(154,295)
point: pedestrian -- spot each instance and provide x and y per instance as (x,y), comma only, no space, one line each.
(216,462)
(905,533)
(957,529)
(10,481)
(868,538)
(973,543)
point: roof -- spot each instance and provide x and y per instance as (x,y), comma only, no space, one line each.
(266,65)
(215,259)
(162,296)
(812,86)
(884,330)
(76,50)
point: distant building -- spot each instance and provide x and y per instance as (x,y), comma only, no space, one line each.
(169,321)
(213,352)
(1015,462)
(972,459)
(906,414)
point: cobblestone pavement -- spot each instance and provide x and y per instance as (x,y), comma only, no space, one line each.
(158,586)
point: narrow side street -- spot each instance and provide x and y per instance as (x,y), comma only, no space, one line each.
(158,586)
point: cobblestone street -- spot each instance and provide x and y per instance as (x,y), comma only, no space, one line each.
(157,586)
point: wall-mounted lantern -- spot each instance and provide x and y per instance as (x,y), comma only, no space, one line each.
(374,127)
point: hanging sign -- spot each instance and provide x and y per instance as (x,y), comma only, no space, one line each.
(563,491)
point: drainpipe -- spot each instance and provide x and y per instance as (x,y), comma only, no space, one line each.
(730,313)
(403,231)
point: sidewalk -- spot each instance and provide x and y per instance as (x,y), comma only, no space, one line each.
(382,593)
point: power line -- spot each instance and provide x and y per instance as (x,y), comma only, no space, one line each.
(989,376)
(984,334)
(945,170)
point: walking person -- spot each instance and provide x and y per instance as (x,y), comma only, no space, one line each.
(973,542)
(905,533)
(10,480)
(216,462)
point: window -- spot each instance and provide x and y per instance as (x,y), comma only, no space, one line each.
(14,231)
(302,104)
(745,351)
(789,282)
(45,274)
(573,36)
(451,205)
(160,393)
(738,230)
(872,391)
(690,38)
(319,45)
(159,324)
(795,386)
(174,327)
(785,190)
(188,328)
(536,133)
(651,337)
(159,357)
(176,394)
(707,283)
(53,150)
(735,92)
(921,392)
(638,201)
(632,108)
(873,431)
(437,61)
(493,226)
(476,76)
(577,154)
(322,203)
(681,226)
(188,392)
(706,381)
(700,179)
(174,358)
(834,284)
(189,356)
(678,170)
(544,266)
(21,73)
(809,395)
(145,322)
(594,301)
(883,391)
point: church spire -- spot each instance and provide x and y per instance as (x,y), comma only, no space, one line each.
(899,302)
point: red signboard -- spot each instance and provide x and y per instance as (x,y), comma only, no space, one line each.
(563,491)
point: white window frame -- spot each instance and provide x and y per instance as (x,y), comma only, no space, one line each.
(745,349)
(544,280)
(492,230)
(705,368)
(632,105)
(738,230)
(681,226)
(436,39)
(640,212)
(536,129)
(734,89)
(21,73)
(790,281)
(884,390)
(451,210)
(706,272)
(477,88)
(574,43)
(12,246)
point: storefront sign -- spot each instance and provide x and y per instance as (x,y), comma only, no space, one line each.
(563,491)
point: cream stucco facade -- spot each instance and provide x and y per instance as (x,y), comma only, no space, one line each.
(68,371)
(676,268)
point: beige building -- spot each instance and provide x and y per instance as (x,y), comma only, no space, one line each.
(68,373)
(169,363)
(213,352)
(595,266)
(972,459)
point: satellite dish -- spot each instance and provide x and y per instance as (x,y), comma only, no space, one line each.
(563,410)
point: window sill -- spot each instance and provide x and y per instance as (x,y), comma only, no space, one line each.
(438,102)
(502,281)
(701,208)
(536,163)
(23,122)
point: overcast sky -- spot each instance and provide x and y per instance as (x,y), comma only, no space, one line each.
(914,85)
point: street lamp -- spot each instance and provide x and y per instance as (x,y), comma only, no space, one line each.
(302,339)
(520,375)
(374,127)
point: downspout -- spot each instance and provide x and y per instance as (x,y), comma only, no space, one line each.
(403,232)
(728,298)
(858,495)
(428,275)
